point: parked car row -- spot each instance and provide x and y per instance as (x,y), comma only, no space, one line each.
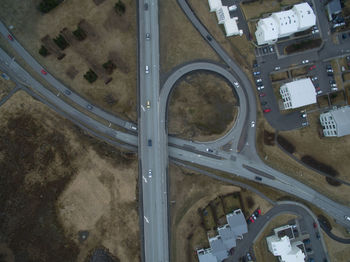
(254,216)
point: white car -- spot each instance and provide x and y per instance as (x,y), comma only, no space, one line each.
(258,80)
(305,61)
(347,218)
(277,68)
(260,88)
(236,84)
(147,69)
(150,173)
(253,124)
(314,78)
(319,92)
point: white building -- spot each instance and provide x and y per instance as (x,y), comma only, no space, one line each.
(298,93)
(287,252)
(223,16)
(285,23)
(336,122)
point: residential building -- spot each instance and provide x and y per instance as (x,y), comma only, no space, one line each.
(221,244)
(298,93)
(223,16)
(285,23)
(284,249)
(336,122)
(333,9)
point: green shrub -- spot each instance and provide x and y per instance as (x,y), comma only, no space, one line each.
(79,34)
(43,51)
(119,8)
(61,42)
(46,6)
(90,76)
(109,66)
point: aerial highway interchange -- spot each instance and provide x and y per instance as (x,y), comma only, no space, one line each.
(153,144)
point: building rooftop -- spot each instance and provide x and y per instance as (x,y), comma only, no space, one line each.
(333,8)
(306,15)
(214,5)
(302,92)
(283,248)
(342,118)
(237,222)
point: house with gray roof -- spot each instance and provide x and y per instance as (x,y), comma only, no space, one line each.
(221,244)
(336,122)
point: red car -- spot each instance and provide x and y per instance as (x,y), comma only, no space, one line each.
(252,220)
(10,37)
(262,94)
(43,72)
(267,110)
(259,211)
(312,67)
(315,225)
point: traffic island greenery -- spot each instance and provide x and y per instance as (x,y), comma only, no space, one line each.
(61,42)
(43,51)
(303,45)
(90,76)
(79,34)
(109,66)
(119,8)
(46,6)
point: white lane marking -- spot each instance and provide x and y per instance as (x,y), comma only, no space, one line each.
(143,108)
(109,124)
(144,179)
(146,219)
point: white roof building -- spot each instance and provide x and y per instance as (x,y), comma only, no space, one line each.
(298,93)
(284,249)
(223,16)
(214,5)
(285,23)
(336,122)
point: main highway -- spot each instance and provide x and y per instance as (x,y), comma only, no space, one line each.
(152,123)
(153,158)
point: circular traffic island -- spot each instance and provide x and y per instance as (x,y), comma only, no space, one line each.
(202,107)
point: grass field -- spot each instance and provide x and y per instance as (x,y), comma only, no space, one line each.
(60,181)
(5,87)
(202,107)
(110,37)
(179,40)
(261,250)
(306,139)
(256,9)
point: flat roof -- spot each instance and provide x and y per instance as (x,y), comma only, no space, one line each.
(302,92)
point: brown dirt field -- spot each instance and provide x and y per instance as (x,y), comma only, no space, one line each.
(115,39)
(338,252)
(331,151)
(202,107)
(59,181)
(236,46)
(277,159)
(179,40)
(279,76)
(256,9)
(261,250)
(5,87)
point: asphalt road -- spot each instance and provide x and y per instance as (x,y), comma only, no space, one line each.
(151,139)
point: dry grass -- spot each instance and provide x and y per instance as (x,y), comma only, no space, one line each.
(261,250)
(337,73)
(277,159)
(202,107)
(59,182)
(236,46)
(5,87)
(278,76)
(115,39)
(179,40)
(338,252)
(331,151)
(256,9)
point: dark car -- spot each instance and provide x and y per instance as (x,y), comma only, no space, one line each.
(330,74)
(209,38)
(149,142)
(308,250)
(263,103)
(146,6)
(67,92)
(306,241)
(318,235)
(90,107)
(314,225)
(258,178)
(343,36)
